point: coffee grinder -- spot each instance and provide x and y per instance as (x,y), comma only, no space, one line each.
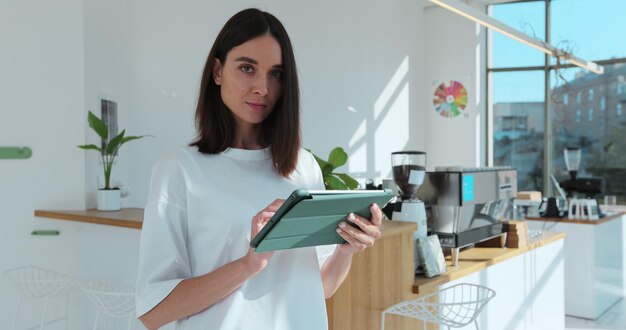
(409,169)
(585,206)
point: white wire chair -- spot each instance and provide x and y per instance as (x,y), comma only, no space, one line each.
(36,282)
(455,306)
(112,298)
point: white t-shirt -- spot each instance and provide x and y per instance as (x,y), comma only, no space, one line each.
(198,218)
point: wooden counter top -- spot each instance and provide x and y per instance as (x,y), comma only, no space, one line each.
(475,259)
(392,228)
(133,218)
(129,218)
(607,218)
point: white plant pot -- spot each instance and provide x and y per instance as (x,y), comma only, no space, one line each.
(109,200)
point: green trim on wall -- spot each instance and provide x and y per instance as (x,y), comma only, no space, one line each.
(15,153)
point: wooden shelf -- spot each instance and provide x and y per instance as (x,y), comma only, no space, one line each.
(133,218)
(475,259)
(128,218)
(582,222)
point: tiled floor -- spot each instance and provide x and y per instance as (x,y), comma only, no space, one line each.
(614,318)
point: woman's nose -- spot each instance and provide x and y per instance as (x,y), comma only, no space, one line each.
(261,85)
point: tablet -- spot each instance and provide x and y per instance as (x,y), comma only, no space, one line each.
(311,217)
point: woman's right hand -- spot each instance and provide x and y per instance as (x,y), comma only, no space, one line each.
(258,261)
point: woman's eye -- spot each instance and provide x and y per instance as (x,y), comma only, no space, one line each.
(246,68)
(277,73)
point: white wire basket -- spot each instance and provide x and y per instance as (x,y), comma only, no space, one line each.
(455,306)
(113,298)
(37,282)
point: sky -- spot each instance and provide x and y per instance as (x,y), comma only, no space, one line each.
(592,29)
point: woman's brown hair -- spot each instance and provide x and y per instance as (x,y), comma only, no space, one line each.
(215,124)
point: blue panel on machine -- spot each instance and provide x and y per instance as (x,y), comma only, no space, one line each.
(468,187)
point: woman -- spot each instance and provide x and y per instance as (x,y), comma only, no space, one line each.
(195,264)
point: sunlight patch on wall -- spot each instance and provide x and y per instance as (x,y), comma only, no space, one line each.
(358,134)
(392,134)
(358,160)
(385,97)
(383,129)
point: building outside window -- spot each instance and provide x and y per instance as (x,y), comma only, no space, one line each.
(525,83)
(603,104)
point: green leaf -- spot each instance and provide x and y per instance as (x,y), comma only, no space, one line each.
(332,182)
(349,181)
(115,143)
(90,147)
(337,157)
(98,126)
(327,169)
(133,137)
(319,161)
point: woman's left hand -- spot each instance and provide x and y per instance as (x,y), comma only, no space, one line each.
(363,237)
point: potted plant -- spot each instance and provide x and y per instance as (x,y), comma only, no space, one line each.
(108,197)
(332,180)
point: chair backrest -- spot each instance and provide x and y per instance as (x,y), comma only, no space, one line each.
(37,282)
(116,299)
(458,305)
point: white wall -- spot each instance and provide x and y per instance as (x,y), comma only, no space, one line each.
(455,48)
(41,107)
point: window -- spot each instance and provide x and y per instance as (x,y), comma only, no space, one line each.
(519,110)
(108,113)
(524,16)
(519,125)
(603,104)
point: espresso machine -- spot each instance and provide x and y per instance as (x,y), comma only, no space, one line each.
(467,204)
(409,169)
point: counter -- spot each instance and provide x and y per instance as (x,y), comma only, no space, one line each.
(478,258)
(528,281)
(594,262)
(379,277)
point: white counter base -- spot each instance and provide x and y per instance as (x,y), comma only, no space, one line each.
(594,274)
(529,291)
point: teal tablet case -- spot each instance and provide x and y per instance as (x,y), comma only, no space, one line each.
(309,218)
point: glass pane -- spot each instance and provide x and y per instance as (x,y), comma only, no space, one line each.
(518,125)
(592,30)
(588,112)
(527,17)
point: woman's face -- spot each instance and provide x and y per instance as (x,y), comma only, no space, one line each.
(250,80)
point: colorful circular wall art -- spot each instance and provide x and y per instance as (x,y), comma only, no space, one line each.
(450,100)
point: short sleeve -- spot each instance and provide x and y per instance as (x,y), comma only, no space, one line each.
(163,258)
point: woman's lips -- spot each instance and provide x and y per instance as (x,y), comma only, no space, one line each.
(256,106)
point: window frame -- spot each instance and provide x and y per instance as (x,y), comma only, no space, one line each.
(547,69)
